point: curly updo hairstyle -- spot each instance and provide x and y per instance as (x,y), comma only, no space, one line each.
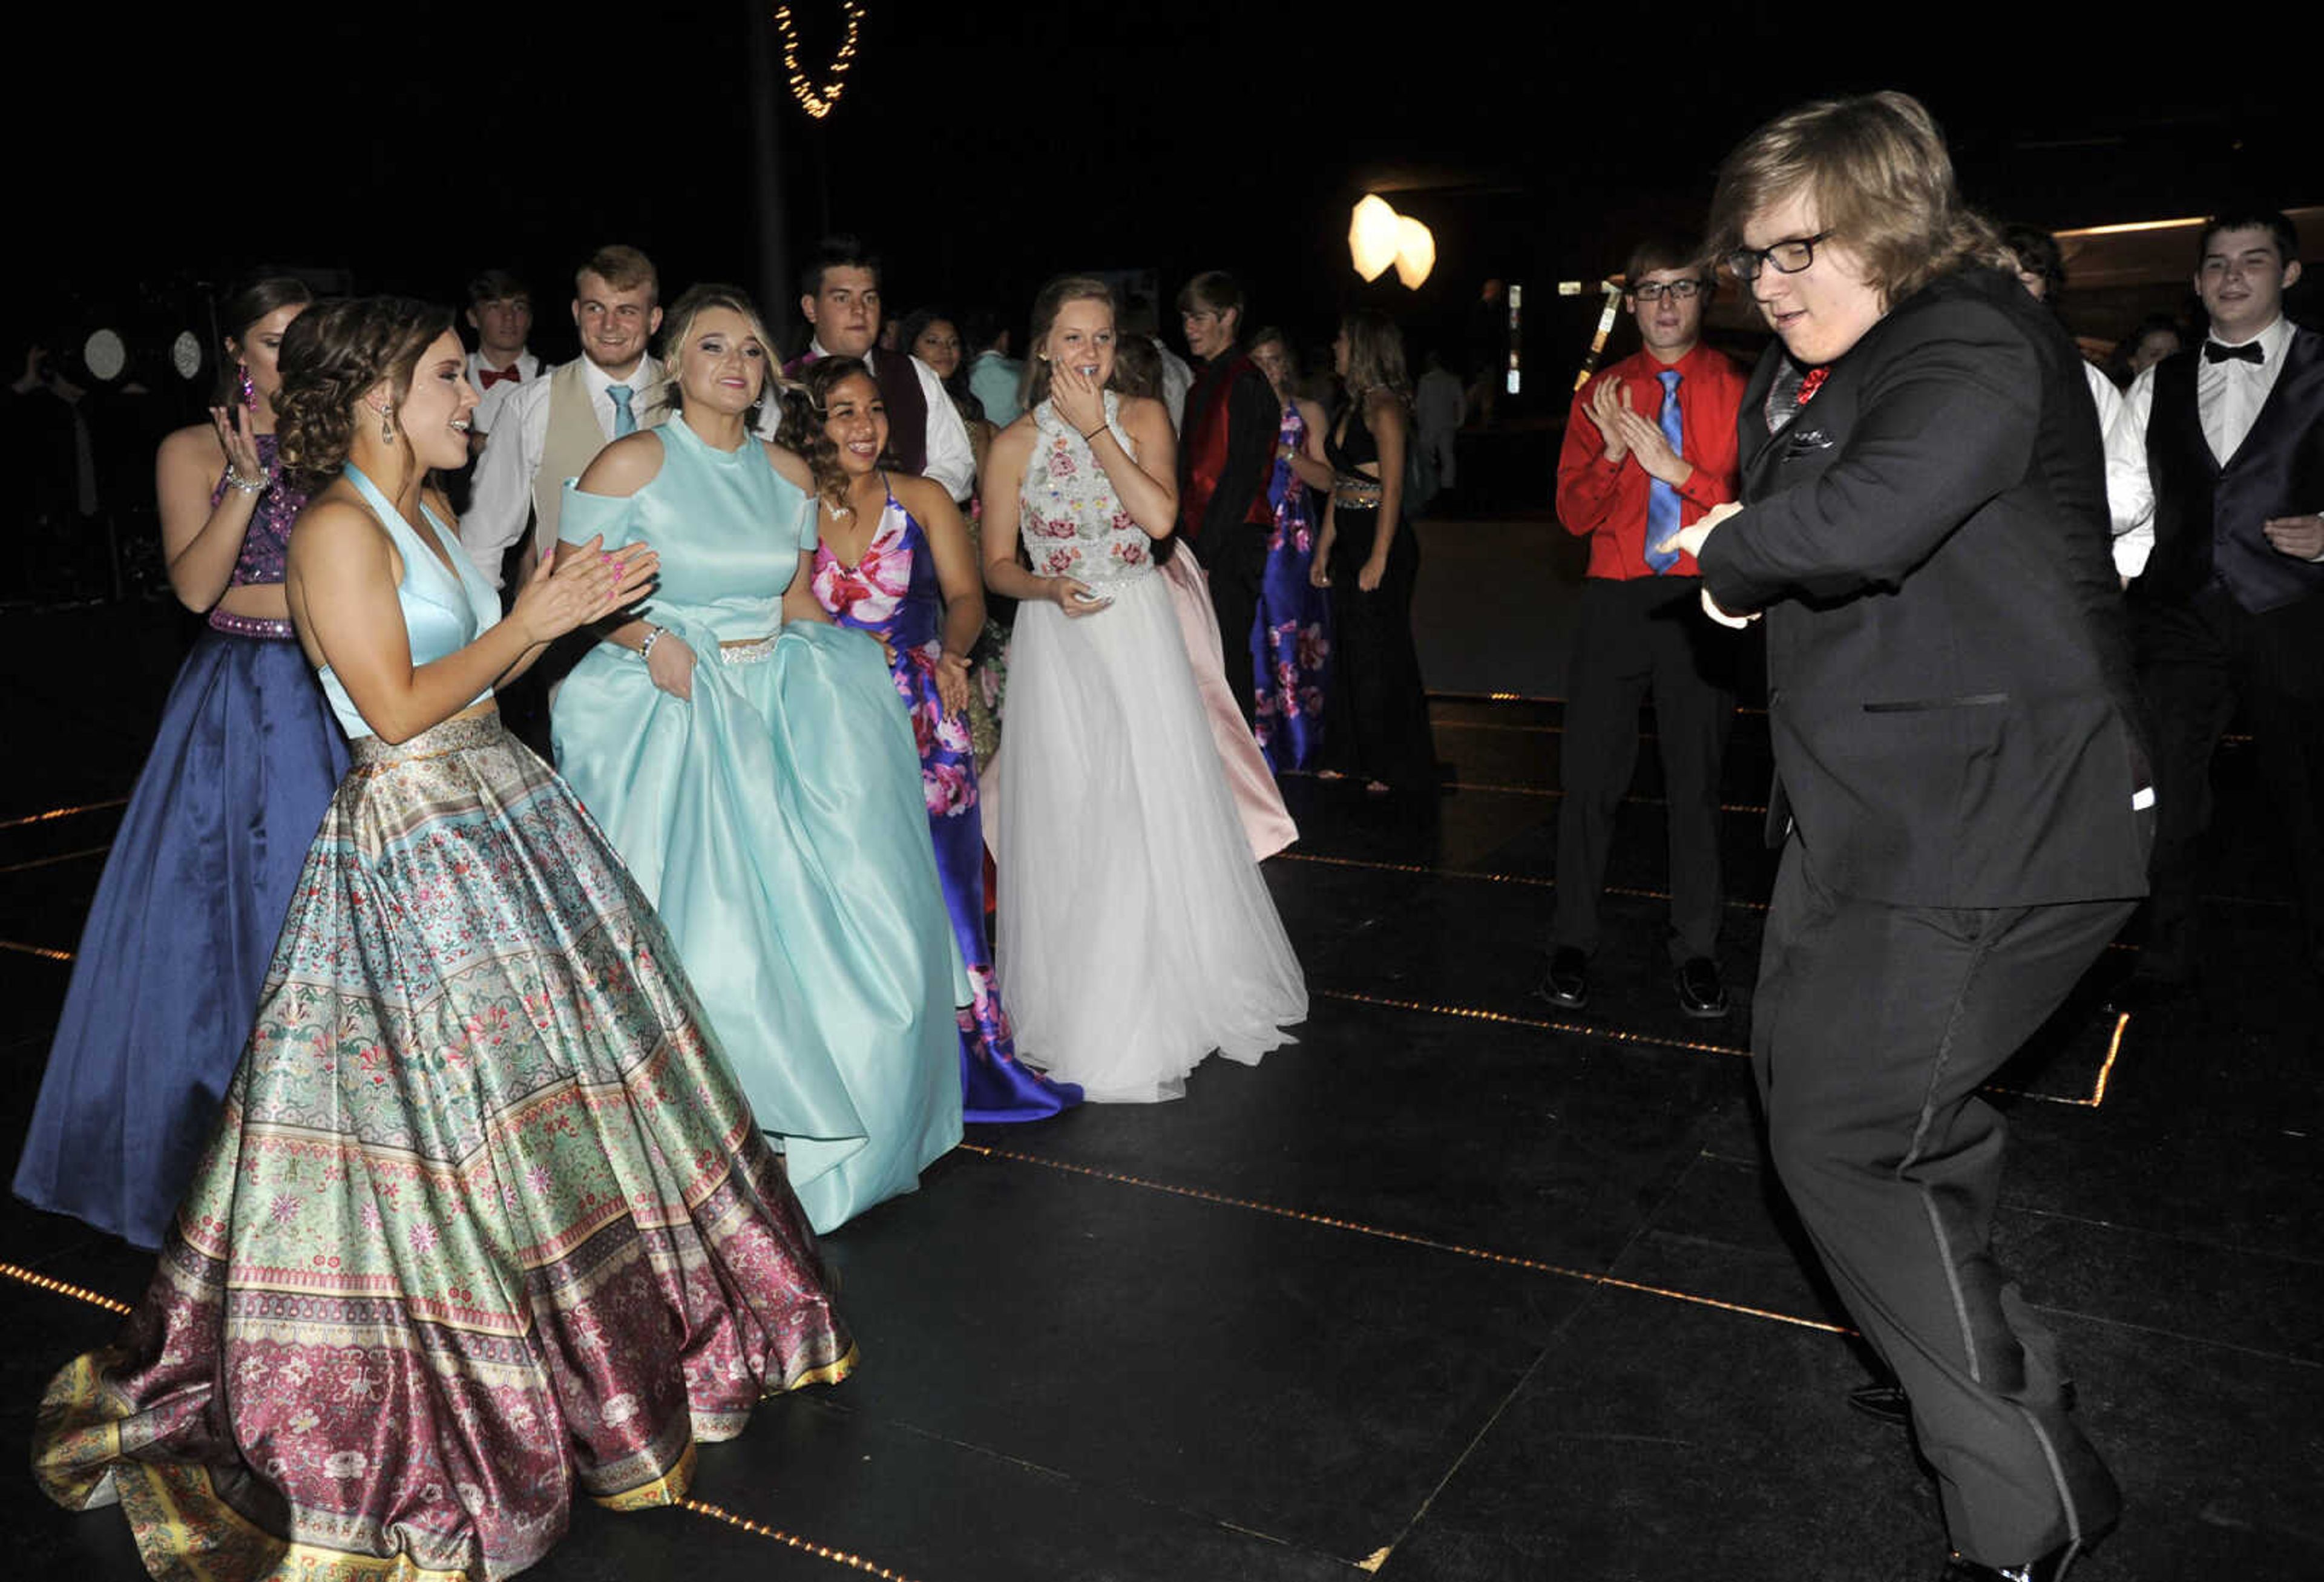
(332,354)
(806,408)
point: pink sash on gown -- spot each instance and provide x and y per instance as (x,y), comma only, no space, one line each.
(1266,822)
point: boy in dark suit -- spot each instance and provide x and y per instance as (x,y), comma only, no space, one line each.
(1961,790)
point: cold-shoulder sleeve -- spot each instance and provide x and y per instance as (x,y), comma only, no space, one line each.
(809,529)
(583,516)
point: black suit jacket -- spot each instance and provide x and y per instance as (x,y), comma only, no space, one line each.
(1950,692)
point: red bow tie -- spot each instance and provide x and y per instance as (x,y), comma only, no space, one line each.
(492,376)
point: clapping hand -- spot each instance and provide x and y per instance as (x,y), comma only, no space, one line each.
(1653,448)
(585,583)
(1606,408)
(235,438)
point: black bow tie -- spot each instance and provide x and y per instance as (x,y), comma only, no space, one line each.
(2248,351)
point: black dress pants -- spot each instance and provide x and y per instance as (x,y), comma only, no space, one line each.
(1872,1029)
(1644,635)
(2196,660)
(1234,569)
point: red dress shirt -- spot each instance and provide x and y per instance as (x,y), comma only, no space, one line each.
(1607,503)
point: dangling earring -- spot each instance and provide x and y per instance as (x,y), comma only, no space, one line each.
(386,426)
(248,391)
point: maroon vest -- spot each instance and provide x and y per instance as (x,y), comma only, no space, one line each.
(900,393)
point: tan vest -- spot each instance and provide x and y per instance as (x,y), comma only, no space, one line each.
(574,439)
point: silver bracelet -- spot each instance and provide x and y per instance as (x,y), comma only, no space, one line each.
(246,485)
(645,648)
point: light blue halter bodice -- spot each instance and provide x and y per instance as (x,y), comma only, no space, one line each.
(445,608)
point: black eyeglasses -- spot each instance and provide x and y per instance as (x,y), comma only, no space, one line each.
(1789,256)
(1678,290)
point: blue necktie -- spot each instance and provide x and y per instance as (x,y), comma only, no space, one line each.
(626,421)
(1662,500)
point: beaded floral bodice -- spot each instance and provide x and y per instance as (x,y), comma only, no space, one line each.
(266,545)
(1071,521)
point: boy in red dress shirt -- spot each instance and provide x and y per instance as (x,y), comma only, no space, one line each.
(1649,448)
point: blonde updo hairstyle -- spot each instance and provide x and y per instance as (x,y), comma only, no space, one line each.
(332,356)
(678,330)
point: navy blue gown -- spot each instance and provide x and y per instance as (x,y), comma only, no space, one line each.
(177,943)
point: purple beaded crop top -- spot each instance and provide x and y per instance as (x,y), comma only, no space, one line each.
(265,547)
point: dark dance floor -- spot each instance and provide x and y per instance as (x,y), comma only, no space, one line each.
(1457,1288)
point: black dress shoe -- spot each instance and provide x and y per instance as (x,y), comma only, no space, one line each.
(1882,1402)
(1886,1403)
(1700,991)
(2050,1568)
(1567,982)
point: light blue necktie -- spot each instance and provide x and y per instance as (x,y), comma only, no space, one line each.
(626,421)
(1662,500)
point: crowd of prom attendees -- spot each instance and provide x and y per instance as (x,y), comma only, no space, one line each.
(928,739)
(647,806)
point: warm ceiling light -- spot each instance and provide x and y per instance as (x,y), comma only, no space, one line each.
(1415,252)
(1373,235)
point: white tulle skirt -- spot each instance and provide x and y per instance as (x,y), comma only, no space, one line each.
(1136,935)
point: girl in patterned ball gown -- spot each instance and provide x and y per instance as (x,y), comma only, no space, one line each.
(893,558)
(1136,934)
(484,1218)
(239,774)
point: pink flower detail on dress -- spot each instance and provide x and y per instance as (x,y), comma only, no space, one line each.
(423,1238)
(867,594)
(948,789)
(1061,460)
(1058,562)
(284,1208)
(1314,647)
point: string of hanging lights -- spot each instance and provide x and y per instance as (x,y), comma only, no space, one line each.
(817,99)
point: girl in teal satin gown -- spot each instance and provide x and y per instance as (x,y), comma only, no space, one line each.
(758,773)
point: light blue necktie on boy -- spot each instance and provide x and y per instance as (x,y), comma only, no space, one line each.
(626,421)
(1662,499)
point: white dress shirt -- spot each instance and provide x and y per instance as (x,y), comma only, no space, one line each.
(951,460)
(2228,397)
(499,500)
(489,402)
(1177,379)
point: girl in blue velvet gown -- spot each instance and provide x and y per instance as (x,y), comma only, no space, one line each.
(177,941)
(757,771)
(894,559)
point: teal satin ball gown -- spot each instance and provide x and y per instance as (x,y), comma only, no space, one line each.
(776,821)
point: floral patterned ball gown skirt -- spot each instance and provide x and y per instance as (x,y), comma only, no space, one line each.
(177,942)
(486,1219)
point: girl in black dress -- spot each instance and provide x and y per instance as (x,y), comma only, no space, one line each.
(1378,720)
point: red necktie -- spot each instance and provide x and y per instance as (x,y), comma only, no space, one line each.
(492,376)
